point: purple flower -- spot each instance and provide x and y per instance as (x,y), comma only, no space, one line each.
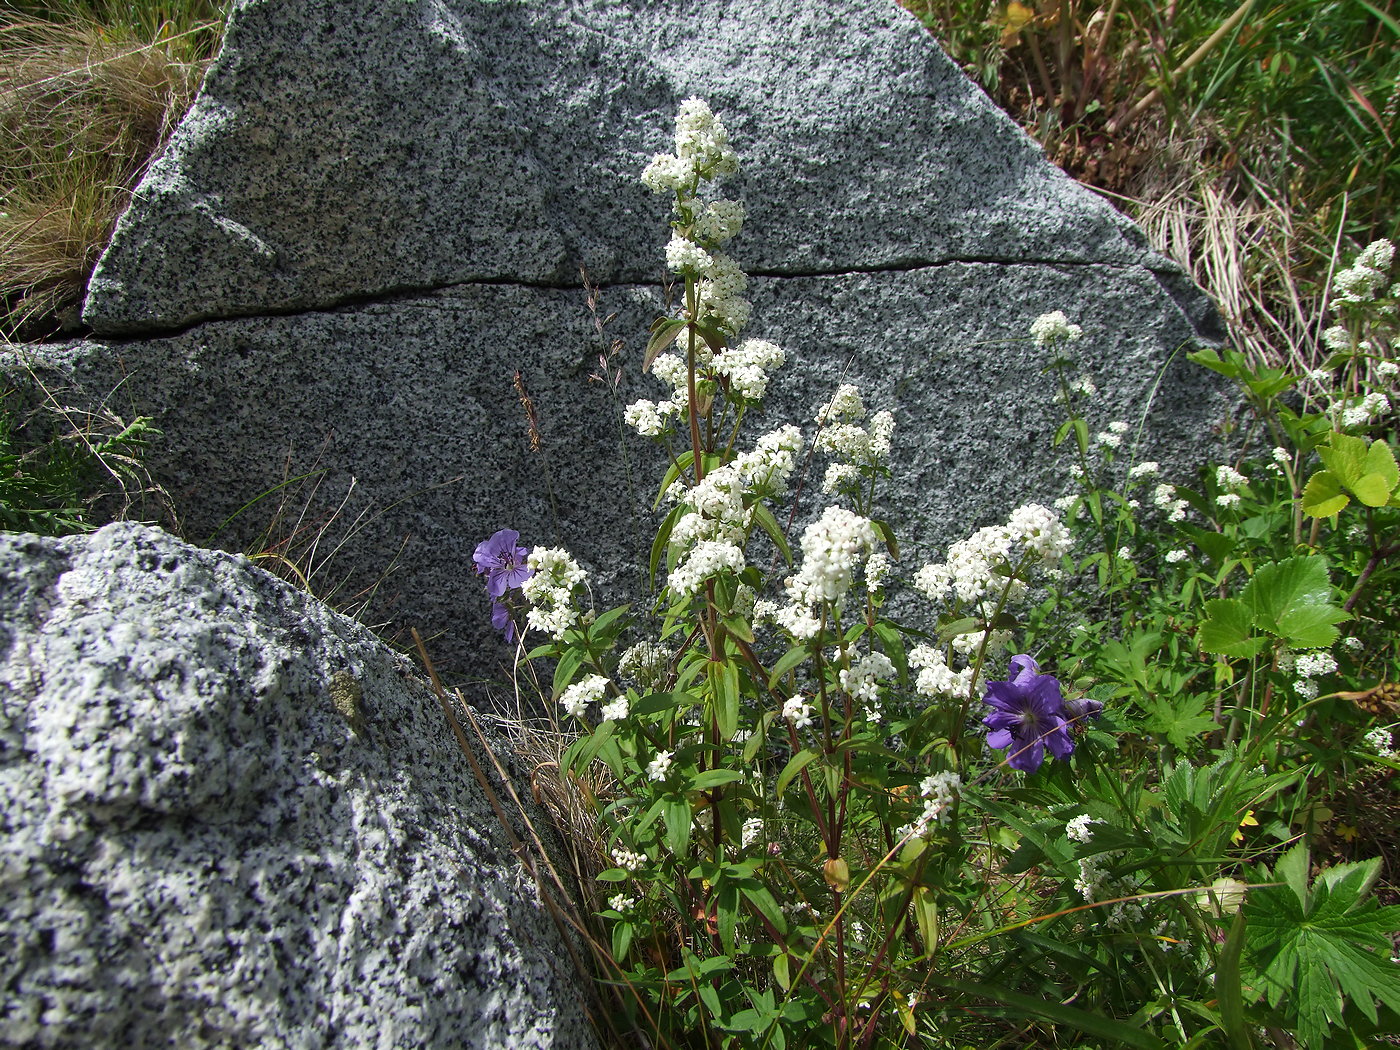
(1028,716)
(502,559)
(501,620)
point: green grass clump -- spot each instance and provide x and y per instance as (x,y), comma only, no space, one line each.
(88,94)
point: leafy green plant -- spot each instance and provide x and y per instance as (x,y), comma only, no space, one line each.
(829,827)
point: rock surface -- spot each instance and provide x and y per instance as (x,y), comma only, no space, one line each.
(200,851)
(372,223)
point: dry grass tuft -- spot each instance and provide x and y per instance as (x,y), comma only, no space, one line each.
(1234,236)
(83,109)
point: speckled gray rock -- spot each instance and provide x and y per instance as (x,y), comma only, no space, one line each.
(199,851)
(373,220)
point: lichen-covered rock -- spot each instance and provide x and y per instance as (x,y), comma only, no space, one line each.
(232,818)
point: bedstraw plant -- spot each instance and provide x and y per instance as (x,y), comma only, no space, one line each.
(832,828)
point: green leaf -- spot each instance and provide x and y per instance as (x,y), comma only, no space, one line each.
(714,778)
(1323,495)
(1020,1006)
(724,688)
(798,654)
(676,813)
(1380,476)
(565,670)
(1229,629)
(1344,456)
(769,524)
(1291,599)
(655,703)
(887,534)
(663,333)
(765,904)
(795,765)
(1228,988)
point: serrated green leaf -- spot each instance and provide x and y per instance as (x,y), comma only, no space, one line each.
(1323,495)
(1344,456)
(1292,600)
(1229,629)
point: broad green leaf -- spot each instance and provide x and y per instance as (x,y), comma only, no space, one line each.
(1323,495)
(764,902)
(727,914)
(1344,456)
(565,670)
(887,534)
(1374,486)
(1292,599)
(676,812)
(1229,629)
(724,688)
(655,703)
(714,778)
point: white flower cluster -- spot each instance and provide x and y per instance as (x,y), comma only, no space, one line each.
(1379,741)
(1148,468)
(1230,478)
(1094,884)
(751,832)
(622,903)
(645,663)
(702,152)
(858,449)
(971,571)
(550,590)
(1365,278)
(862,681)
(706,559)
(936,678)
(1080,828)
(939,792)
(660,766)
(576,698)
(627,860)
(1362,411)
(877,571)
(1053,327)
(1175,556)
(648,418)
(1312,665)
(748,365)
(1164,496)
(1387,369)
(833,547)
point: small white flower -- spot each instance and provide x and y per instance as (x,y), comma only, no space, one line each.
(622,903)
(1282,457)
(659,766)
(1354,644)
(615,710)
(1108,439)
(627,860)
(1118,427)
(1387,369)
(1125,554)
(797,711)
(1227,499)
(1173,557)
(1146,469)
(1306,688)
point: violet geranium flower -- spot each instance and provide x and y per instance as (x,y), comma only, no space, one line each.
(502,559)
(1028,715)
